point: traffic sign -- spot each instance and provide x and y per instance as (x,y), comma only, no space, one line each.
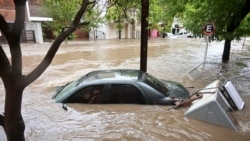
(209,29)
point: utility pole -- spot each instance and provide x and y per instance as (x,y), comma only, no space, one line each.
(144,34)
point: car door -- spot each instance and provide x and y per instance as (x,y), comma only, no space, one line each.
(124,94)
(89,94)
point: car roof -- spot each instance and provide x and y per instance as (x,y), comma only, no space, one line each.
(112,75)
(99,77)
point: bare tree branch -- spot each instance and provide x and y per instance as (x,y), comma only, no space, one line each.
(56,44)
(4,62)
(2,120)
(4,26)
(124,9)
(18,25)
(14,38)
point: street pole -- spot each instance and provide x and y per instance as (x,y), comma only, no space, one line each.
(205,55)
(144,34)
(208,30)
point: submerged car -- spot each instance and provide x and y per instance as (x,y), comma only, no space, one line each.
(121,86)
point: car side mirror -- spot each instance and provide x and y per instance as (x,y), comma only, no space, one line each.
(65,107)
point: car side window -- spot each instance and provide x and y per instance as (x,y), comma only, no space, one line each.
(125,93)
(90,94)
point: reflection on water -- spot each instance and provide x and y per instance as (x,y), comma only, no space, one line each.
(168,59)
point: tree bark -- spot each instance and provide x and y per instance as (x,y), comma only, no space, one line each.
(56,44)
(11,73)
(13,121)
(2,120)
(120,34)
(226,52)
(235,23)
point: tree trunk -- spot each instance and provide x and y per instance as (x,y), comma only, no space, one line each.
(120,34)
(144,35)
(13,121)
(235,23)
(133,29)
(11,73)
(226,52)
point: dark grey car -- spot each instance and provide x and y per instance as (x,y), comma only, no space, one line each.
(121,86)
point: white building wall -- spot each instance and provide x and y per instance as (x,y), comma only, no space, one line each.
(112,31)
(109,30)
(36,26)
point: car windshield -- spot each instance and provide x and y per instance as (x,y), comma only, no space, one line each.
(65,89)
(108,75)
(155,83)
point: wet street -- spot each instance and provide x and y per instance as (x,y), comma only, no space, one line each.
(169,59)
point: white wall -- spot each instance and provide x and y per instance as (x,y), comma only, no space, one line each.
(36,26)
(112,31)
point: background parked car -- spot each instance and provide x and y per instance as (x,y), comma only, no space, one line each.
(184,34)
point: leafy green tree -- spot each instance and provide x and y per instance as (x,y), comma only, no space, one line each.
(156,15)
(119,12)
(94,18)
(116,14)
(231,19)
(159,15)
(62,12)
(11,68)
(160,11)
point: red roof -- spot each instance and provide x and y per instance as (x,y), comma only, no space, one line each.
(8,14)
(7,9)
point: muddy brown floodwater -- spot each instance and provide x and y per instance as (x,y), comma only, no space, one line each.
(167,59)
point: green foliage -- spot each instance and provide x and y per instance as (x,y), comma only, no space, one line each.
(119,11)
(63,12)
(156,14)
(193,13)
(226,15)
(115,14)
(244,28)
(93,16)
(163,12)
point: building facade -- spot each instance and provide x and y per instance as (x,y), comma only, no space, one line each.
(110,31)
(33,31)
(33,28)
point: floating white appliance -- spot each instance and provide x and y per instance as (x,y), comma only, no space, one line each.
(213,107)
(232,96)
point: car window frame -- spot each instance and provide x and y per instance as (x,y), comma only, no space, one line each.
(84,88)
(106,97)
(156,84)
